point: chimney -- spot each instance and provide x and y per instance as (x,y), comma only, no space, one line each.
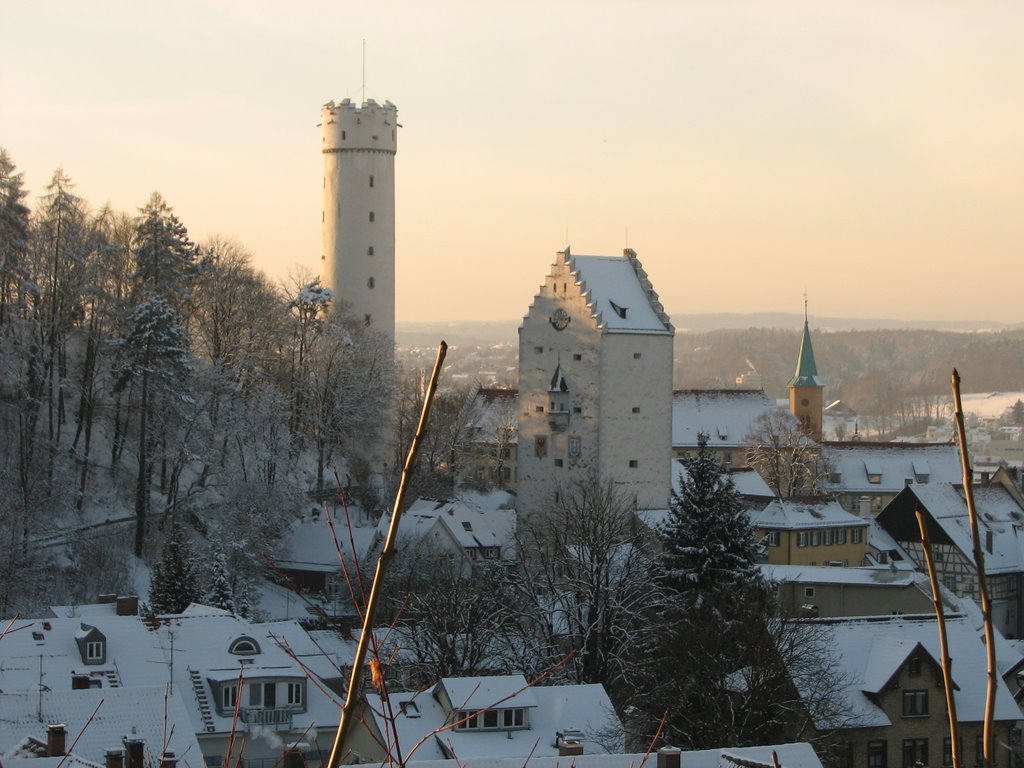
(293,756)
(128,605)
(168,760)
(669,757)
(79,682)
(56,739)
(570,748)
(114,758)
(135,751)
(988,541)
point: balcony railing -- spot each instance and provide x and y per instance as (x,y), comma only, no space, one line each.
(281,718)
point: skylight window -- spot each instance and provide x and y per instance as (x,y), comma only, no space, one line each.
(467,526)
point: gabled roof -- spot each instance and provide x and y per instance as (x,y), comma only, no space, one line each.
(470,526)
(551,708)
(618,293)
(803,514)
(999,517)
(806,374)
(747,481)
(726,416)
(894,462)
(868,649)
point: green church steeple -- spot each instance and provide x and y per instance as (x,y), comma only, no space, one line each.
(806,369)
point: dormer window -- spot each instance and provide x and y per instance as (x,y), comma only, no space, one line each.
(620,311)
(92,645)
(94,651)
(244,646)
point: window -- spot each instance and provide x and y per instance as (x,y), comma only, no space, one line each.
(342,135)
(842,755)
(841,536)
(801,539)
(947,752)
(620,311)
(465,720)
(366,319)
(538,408)
(577,357)
(512,718)
(857,535)
(914,667)
(633,463)
(94,650)
(558,462)
(915,752)
(808,591)
(370,283)
(815,538)
(491,718)
(636,355)
(915,703)
(772,538)
(577,409)
(371,215)
(538,350)
(229,696)
(371,179)
(540,446)
(875,479)
(979,749)
(369,251)
(829,537)
(244,646)
(878,754)
(294,694)
(636,409)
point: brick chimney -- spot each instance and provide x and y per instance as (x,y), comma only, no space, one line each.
(113,758)
(127,605)
(168,760)
(669,757)
(135,753)
(56,740)
(293,756)
(570,748)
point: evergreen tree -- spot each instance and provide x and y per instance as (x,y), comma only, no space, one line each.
(713,621)
(165,258)
(175,581)
(14,223)
(219,594)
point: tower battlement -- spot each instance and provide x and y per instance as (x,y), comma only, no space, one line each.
(350,126)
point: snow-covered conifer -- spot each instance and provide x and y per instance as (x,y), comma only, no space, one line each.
(175,582)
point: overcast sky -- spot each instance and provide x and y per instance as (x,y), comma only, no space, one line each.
(868,153)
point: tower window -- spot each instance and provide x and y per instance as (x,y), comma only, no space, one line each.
(577,409)
(636,409)
(323,216)
(369,251)
(577,357)
(371,215)
(633,463)
(370,282)
(538,350)
(558,462)
(371,179)
(636,355)
(342,135)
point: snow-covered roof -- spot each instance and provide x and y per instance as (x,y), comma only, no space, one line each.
(821,574)
(119,712)
(800,755)
(493,410)
(470,526)
(619,295)
(999,514)
(798,514)
(869,651)
(586,708)
(310,545)
(746,480)
(892,463)
(726,416)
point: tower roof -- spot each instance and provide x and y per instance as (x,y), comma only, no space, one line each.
(806,369)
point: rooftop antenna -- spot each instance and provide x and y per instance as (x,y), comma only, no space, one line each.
(364,70)
(805,306)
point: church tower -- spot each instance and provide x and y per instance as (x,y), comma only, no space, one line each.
(357,250)
(807,388)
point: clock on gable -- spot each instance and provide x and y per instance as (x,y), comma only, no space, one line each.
(560,319)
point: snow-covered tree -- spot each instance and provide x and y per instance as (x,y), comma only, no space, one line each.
(789,461)
(175,580)
(219,593)
(165,257)
(14,226)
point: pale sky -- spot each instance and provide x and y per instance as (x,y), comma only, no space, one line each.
(869,153)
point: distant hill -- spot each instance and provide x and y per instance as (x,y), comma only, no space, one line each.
(473,333)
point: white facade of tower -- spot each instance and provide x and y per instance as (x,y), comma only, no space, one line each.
(358,231)
(595,385)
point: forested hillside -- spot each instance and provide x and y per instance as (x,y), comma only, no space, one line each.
(149,382)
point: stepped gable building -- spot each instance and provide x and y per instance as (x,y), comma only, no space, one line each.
(595,384)
(807,388)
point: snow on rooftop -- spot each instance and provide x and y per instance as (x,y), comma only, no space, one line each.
(726,416)
(854,465)
(616,297)
(822,574)
(798,514)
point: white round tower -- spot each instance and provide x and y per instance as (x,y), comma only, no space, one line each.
(358,232)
